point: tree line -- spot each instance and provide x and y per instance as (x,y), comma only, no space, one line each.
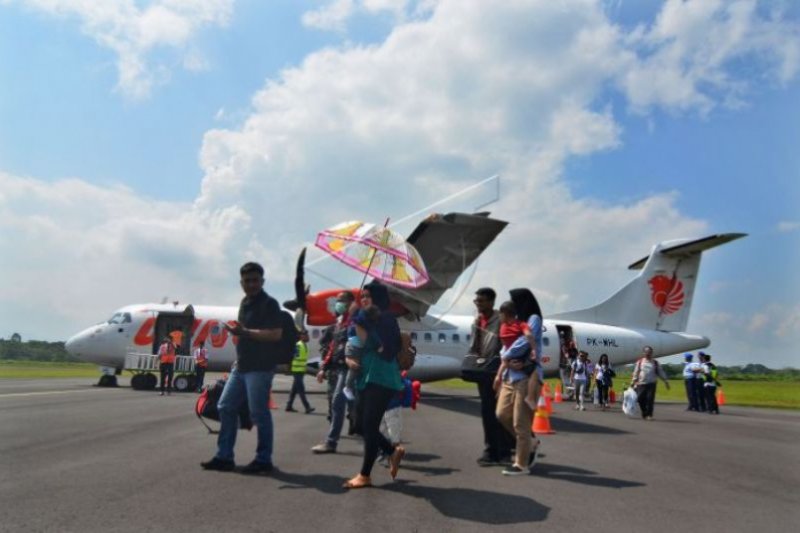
(16,350)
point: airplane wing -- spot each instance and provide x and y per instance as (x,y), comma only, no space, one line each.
(448,244)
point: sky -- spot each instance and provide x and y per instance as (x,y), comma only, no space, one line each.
(149,148)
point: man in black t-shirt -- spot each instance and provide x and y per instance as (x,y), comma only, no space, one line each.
(258,331)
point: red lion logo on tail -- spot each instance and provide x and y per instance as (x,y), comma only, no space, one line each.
(666,293)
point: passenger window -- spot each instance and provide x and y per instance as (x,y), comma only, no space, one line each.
(456,337)
(469,337)
(413,335)
(545,341)
(442,337)
(428,337)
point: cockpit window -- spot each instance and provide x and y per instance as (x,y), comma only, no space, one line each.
(120,318)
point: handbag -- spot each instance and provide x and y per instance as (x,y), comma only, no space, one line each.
(475,368)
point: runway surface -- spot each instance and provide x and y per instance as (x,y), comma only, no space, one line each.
(74,457)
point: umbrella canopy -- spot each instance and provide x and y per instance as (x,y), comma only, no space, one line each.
(375,250)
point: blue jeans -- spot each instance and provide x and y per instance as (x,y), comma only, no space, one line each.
(338,409)
(254,387)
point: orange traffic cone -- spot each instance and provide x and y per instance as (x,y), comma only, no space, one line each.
(720,397)
(541,420)
(612,397)
(548,405)
(272,404)
(545,389)
(557,398)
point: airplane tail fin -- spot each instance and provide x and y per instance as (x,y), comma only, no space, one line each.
(660,297)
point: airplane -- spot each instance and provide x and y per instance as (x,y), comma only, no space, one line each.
(652,309)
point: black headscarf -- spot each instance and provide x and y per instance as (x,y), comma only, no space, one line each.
(387,328)
(526,304)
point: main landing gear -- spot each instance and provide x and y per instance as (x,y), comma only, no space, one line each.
(145,381)
(107,380)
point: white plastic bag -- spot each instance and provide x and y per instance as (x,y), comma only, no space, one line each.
(630,405)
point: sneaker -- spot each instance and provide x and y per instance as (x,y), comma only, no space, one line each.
(323,448)
(218,464)
(577,407)
(310,410)
(514,470)
(348,393)
(583,408)
(487,460)
(290,409)
(257,467)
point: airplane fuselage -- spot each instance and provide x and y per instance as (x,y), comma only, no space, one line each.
(441,344)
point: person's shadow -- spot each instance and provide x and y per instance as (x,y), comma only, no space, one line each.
(475,505)
(465,504)
(581,476)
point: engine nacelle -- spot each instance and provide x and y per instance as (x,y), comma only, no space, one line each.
(320,306)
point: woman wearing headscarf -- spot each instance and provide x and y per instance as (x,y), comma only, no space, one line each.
(379,380)
(519,385)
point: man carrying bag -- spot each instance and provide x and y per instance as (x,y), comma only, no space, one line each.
(480,366)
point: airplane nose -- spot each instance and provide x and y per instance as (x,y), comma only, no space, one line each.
(77,345)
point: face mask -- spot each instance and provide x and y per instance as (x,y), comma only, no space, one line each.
(340,308)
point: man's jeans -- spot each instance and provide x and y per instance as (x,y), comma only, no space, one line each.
(253,387)
(338,409)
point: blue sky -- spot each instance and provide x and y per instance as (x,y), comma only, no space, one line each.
(146,148)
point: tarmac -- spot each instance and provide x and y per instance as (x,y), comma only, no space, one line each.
(75,457)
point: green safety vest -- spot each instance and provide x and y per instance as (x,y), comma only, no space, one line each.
(300,358)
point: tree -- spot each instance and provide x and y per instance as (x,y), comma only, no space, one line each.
(16,337)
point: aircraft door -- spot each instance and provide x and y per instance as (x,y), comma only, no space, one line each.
(565,337)
(178,326)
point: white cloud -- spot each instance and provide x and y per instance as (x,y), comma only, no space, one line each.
(134,31)
(513,88)
(684,59)
(334,15)
(71,249)
(789,324)
(331,16)
(758,322)
(787,226)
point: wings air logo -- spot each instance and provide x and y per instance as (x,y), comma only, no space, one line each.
(666,293)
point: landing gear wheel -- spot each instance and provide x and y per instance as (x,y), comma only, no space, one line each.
(150,381)
(138,382)
(107,381)
(181,384)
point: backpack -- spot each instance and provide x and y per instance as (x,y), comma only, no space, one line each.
(288,344)
(408,352)
(206,406)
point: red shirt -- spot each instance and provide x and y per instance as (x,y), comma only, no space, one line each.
(511,332)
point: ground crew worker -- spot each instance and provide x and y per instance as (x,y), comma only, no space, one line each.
(710,385)
(200,364)
(166,358)
(691,373)
(298,373)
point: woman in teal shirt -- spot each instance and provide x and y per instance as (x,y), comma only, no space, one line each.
(378,382)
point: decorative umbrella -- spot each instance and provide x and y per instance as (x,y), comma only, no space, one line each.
(376,251)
